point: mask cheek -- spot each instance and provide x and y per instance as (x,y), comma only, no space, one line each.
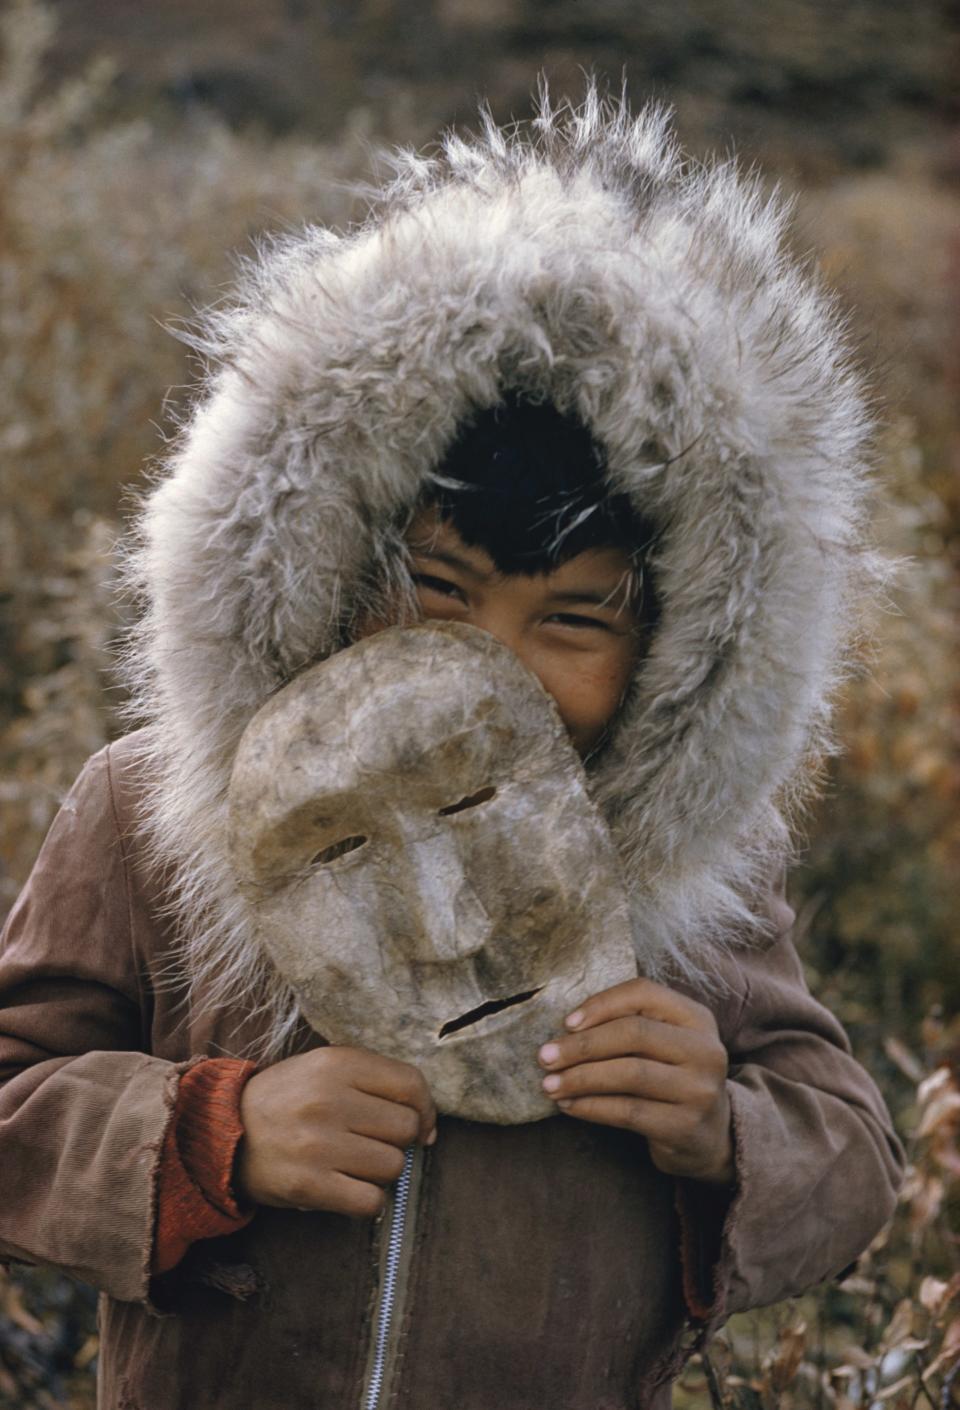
(324,939)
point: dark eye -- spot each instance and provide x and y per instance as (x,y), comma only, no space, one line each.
(442,586)
(473,800)
(337,849)
(571,619)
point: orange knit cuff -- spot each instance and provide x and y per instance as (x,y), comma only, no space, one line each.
(195,1197)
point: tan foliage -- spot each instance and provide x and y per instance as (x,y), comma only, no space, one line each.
(106,235)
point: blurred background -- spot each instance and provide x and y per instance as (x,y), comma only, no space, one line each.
(143,149)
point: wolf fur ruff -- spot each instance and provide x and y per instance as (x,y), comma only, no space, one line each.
(585,260)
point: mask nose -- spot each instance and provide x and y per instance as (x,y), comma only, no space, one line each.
(453,921)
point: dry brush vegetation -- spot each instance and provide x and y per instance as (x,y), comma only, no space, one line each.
(109,233)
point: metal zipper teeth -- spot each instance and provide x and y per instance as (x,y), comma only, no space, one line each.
(388,1291)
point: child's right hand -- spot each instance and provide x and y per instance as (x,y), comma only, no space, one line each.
(328,1128)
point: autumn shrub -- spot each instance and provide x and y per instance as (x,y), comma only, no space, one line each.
(108,236)
(878,883)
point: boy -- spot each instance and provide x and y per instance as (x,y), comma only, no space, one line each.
(573,394)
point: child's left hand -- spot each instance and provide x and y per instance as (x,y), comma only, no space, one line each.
(644,1058)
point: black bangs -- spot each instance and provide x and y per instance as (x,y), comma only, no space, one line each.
(526,483)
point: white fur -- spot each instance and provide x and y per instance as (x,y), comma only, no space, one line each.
(588,262)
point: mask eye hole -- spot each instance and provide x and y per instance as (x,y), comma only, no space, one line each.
(337,849)
(473,800)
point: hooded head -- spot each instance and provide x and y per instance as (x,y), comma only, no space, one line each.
(583,264)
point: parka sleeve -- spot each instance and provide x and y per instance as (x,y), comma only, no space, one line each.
(818,1165)
(83,1106)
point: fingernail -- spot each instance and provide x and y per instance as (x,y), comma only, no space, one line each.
(575,1019)
(431,1138)
(563,1103)
(549,1052)
(551,1083)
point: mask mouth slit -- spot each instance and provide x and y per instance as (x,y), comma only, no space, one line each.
(492,1006)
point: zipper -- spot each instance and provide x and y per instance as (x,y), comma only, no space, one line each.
(397,1231)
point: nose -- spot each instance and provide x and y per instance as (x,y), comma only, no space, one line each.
(453,923)
(496,618)
(507,621)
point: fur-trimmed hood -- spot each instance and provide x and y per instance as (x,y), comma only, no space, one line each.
(587,261)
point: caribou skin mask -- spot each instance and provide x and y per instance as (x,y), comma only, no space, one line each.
(410,827)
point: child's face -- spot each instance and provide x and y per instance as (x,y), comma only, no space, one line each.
(574,628)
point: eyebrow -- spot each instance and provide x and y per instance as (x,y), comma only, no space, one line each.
(593,597)
(453,560)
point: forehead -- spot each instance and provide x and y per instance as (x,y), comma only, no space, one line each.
(411,707)
(428,722)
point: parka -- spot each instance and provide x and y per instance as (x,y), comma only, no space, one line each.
(585,261)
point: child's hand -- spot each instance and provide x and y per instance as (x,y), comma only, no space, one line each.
(328,1128)
(641,1057)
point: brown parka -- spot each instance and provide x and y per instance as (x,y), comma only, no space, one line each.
(545,1268)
